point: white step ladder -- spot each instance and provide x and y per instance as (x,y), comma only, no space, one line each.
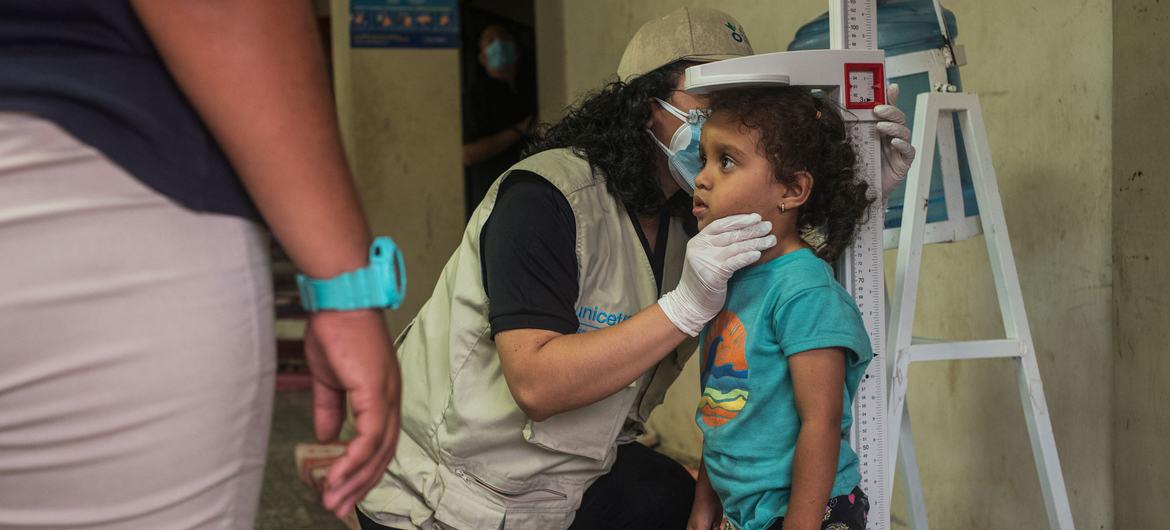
(933,121)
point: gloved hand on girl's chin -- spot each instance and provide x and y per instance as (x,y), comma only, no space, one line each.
(720,249)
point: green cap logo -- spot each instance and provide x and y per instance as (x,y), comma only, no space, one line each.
(736,33)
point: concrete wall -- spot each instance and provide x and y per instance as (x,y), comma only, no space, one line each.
(580,43)
(1043,69)
(399,111)
(1141,193)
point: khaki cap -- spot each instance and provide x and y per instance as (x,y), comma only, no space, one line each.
(697,34)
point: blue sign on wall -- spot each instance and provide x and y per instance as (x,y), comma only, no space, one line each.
(404,23)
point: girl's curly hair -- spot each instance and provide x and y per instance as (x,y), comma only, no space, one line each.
(607,127)
(801,131)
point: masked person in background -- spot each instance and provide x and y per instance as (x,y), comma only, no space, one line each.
(499,106)
(567,311)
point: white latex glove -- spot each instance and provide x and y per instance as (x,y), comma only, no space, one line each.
(723,247)
(897,153)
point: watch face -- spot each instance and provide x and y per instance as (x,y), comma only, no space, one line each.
(386,258)
(397,283)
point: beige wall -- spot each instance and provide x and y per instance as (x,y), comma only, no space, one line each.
(1141,215)
(1043,70)
(583,53)
(399,111)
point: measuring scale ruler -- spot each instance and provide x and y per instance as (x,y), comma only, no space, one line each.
(853,75)
(853,26)
(861,272)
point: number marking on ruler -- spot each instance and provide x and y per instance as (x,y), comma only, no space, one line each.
(854,27)
(862,275)
(861,25)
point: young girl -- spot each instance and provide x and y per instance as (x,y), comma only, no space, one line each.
(782,362)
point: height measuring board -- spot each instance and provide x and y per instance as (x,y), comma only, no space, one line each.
(852,74)
(853,26)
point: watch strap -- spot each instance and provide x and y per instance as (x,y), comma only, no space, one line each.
(380,284)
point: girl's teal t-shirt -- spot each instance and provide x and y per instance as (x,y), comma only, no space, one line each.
(748,412)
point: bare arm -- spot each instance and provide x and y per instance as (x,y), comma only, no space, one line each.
(549,373)
(255,73)
(818,379)
(494,144)
(707,510)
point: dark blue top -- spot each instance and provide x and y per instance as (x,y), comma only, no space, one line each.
(90,67)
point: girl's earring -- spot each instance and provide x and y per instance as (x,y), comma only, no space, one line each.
(781,207)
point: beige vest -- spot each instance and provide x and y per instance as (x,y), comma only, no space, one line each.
(468,457)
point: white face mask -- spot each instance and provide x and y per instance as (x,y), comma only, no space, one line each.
(682,156)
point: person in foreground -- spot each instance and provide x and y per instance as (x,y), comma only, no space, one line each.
(145,148)
(781,363)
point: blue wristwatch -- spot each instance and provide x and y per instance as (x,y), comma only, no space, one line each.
(382,283)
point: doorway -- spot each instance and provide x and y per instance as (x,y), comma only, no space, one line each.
(498,82)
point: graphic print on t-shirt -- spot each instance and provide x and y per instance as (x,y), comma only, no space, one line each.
(724,373)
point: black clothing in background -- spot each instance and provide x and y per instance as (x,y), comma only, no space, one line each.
(491,106)
(644,490)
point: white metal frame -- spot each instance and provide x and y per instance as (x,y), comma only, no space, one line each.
(932,117)
(957,226)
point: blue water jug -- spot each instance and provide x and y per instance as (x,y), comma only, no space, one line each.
(904,27)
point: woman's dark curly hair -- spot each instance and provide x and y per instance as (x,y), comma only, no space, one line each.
(802,131)
(607,127)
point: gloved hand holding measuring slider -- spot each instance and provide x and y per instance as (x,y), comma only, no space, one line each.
(897,152)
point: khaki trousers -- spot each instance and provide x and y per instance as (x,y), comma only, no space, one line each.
(136,347)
